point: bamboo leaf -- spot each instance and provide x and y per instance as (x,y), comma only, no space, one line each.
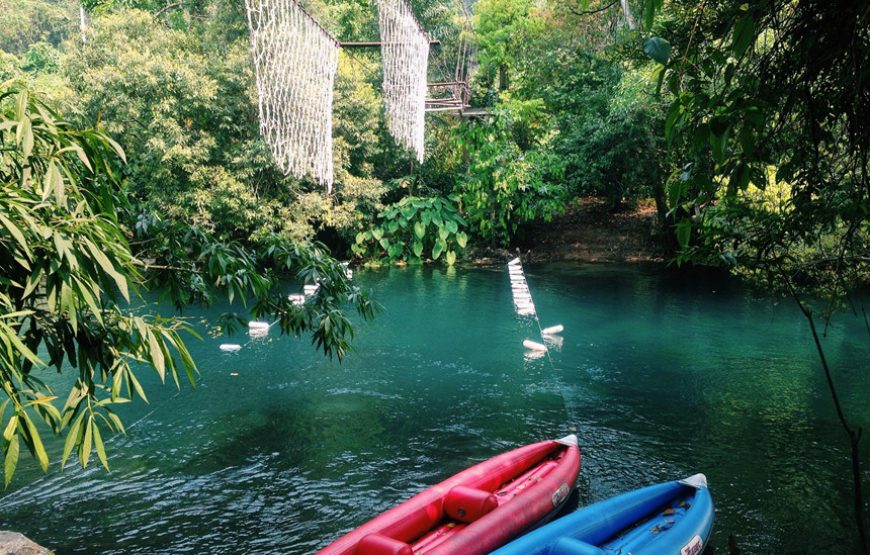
(36,442)
(11,460)
(86,445)
(109,268)
(72,438)
(98,443)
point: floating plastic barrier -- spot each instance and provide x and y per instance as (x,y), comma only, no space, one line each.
(555,341)
(296,299)
(533,345)
(309,290)
(258,326)
(230,347)
(552,330)
(514,262)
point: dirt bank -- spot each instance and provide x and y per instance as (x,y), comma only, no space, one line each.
(588,231)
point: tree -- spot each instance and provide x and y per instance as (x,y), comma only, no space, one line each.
(769,122)
(69,279)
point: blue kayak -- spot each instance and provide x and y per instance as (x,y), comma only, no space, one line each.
(673,518)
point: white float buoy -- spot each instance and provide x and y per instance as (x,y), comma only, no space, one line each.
(257,325)
(529,344)
(514,262)
(296,299)
(552,330)
(310,289)
(230,347)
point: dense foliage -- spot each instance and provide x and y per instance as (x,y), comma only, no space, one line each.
(413,230)
(746,122)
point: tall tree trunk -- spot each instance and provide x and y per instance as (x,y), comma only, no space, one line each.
(626,9)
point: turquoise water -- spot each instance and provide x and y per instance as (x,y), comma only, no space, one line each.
(662,376)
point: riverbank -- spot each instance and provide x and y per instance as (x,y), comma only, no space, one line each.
(587,232)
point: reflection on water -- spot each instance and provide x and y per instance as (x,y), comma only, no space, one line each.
(280,451)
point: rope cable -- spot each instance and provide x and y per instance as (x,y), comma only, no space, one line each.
(572,421)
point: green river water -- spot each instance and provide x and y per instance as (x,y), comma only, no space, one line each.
(661,375)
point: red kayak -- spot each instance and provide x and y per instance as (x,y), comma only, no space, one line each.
(475,511)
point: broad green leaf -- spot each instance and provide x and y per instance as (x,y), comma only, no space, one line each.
(658,49)
(451,258)
(684,233)
(418,248)
(439,247)
(461,239)
(377,233)
(395,250)
(420,230)
(451,226)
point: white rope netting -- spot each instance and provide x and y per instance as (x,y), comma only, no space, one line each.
(295,61)
(405,55)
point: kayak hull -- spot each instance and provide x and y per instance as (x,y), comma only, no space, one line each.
(672,518)
(524,486)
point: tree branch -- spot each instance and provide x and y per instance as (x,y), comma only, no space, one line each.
(591,12)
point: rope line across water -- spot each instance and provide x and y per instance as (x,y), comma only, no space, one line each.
(572,426)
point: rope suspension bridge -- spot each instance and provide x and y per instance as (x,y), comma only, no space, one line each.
(296,61)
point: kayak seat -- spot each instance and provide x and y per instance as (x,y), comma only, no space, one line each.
(468,504)
(570,546)
(378,544)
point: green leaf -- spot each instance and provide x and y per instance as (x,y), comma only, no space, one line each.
(744,33)
(109,268)
(36,442)
(98,443)
(377,233)
(684,233)
(16,234)
(156,354)
(11,460)
(462,239)
(86,445)
(439,247)
(72,438)
(420,230)
(658,49)
(451,226)
(451,258)
(417,248)
(362,237)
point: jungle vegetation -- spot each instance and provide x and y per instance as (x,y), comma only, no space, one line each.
(131,161)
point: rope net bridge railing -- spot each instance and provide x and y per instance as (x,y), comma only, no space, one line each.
(295,61)
(405,55)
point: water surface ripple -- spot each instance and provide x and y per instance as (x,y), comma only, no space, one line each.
(663,376)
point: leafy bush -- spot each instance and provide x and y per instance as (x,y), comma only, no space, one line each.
(505,185)
(413,230)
